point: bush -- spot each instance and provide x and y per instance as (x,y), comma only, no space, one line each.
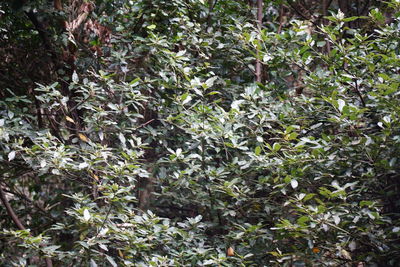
(159,149)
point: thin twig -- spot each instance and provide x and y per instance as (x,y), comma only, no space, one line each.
(296,10)
(104,221)
(144,124)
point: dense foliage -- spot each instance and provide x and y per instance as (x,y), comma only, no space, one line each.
(134,133)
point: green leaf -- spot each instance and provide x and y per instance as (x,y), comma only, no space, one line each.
(308,196)
(93,263)
(341,104)
(302,220)
(86,215)
(276,147)
(111,261)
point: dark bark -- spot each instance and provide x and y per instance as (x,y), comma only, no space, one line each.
(16,220)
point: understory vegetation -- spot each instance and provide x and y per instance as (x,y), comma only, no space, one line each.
(199,133)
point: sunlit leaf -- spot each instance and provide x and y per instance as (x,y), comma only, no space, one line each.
(83,137)
(86,215)
(11,155)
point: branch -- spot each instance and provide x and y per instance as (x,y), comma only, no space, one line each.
(26,198)
(358,92)
(296,10)
(281,13)
(210,10)
(16,220)
(259,24)
(356,87)
(42,33)
(10,211)
(325,6)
